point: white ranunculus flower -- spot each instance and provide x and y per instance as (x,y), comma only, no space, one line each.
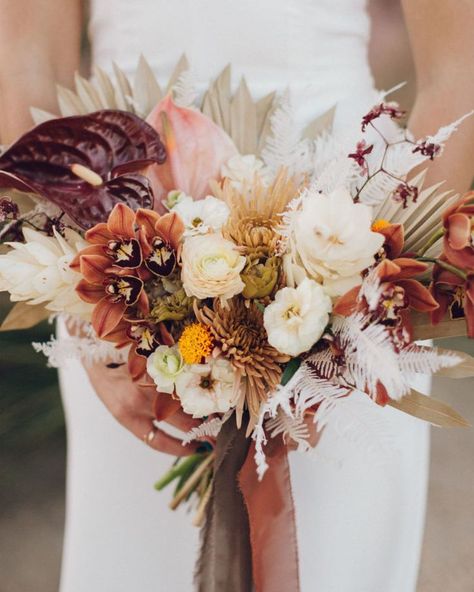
(208,388)
(211,267)
(242,168)
(164,366)
(332,236)
(297,317)
(203,215)
(37,271)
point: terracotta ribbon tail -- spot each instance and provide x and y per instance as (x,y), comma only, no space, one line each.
(272,520)
(225,561)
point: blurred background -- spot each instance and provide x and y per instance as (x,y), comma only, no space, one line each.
(33,441)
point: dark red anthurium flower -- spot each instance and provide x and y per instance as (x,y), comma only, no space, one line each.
(86,164)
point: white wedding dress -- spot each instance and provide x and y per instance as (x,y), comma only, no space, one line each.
(359,508)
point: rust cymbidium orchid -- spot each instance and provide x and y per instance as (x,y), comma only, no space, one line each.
(396,275)
(125,252)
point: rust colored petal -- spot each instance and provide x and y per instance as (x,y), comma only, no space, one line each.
(347,304)
(88,292)
(387,270)
(93,267)
(164,406)
(119,335)
(459,231)
(394,239)
(462,258)
(170,227)
(121,221)
(106,316)
(410,267)
(419,297)
(91,250)
(136,365)
(99,234)
(147,220)
(469,306)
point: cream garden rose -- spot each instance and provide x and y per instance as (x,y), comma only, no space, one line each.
(297,317)
(242,168)
(208,388)
(164,366)
(38,272)
(211,267)
(332,238)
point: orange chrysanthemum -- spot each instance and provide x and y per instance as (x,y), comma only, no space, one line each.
(195,343)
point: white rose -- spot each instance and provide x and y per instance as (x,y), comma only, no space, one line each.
(211,267)
(297,317)
(242,169)
(332,236)
(37,271)
(208,388)
(164,366)
(203,215)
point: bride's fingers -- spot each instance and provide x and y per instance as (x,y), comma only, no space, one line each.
(144,429)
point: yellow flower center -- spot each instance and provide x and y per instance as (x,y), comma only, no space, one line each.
(195,343)
(379,225)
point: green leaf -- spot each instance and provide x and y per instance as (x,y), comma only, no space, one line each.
(290,370)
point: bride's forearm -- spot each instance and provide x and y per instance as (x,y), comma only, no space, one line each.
(39,47)
(443,49)
(436,107)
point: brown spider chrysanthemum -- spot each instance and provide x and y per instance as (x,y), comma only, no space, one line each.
(255,212)
(239,333)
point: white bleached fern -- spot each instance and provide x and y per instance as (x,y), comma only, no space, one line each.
(370,355)
(208,429)
(88,349)
(290,428)
(284,146)
(425,360)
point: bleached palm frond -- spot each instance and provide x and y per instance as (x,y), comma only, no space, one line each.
(284,147)
(207,429)
(426,360)
(184,91)
(370,355)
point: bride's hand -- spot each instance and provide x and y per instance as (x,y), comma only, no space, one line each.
(135,407)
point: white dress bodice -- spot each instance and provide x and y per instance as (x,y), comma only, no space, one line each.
(318,48)
(360,520)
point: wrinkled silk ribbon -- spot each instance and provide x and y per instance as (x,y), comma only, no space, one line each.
(248,542)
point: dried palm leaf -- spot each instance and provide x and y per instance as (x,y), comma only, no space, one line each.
(429,409)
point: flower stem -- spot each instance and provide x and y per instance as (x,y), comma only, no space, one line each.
(445,265)
(199,517)
(433,239)
(192,482)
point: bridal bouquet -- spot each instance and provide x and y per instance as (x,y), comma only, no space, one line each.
(255,274)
